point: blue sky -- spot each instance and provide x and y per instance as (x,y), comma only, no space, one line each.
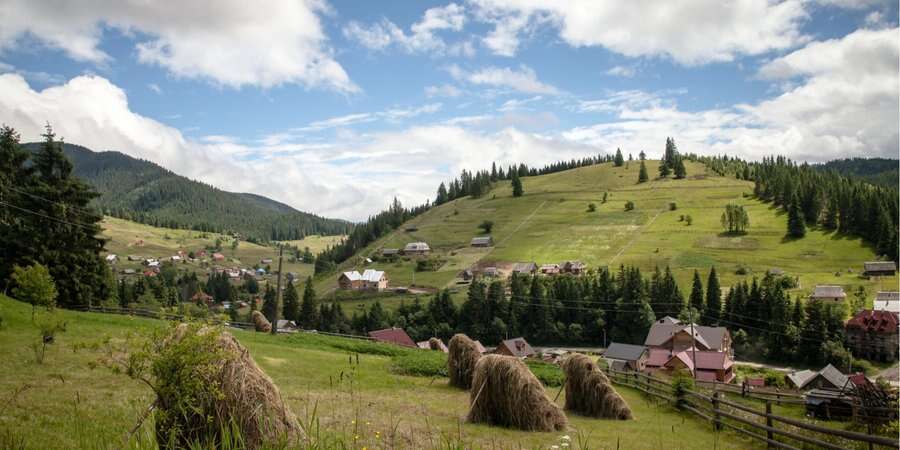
(336,107)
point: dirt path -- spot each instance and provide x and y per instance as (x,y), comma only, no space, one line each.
(636,236)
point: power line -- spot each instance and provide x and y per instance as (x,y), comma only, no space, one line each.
(87,211)
(66,222)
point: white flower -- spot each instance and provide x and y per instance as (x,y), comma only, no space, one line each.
(566,438)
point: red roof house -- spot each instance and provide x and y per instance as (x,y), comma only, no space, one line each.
(393,335)
(874,335)
(517,347)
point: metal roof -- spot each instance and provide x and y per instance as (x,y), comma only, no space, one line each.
(801,378)
(824,291)
(624,352)
(879,266)
(416,246)
(482,240)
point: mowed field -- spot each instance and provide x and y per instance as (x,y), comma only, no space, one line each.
(551,223)
(66,402)
(131,238)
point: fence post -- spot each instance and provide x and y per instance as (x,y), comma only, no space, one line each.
(715,404)
(769,434)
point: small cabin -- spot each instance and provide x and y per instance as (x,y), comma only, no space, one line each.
(482,241)
(416,248)
(879,268)
(832,294)
(517,347)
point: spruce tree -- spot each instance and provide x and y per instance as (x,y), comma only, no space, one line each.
(309,309)
(619,160)
(796,226)
(642,175)
(291,308)
(269,304)
(517,188)
(696,298)
(680,171)
(664,169)
(713,310)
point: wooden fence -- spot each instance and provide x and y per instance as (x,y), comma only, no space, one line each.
(775,430)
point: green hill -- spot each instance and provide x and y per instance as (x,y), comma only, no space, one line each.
(142,191)
(880,171)
(551,223)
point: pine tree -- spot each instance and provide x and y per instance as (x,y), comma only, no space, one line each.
(619,160)
(269,304)
(713,310)
(517,188)
(642,175)
(291,308)
(642,155)
(664,169)
(680,171)
(442,195)
(796,226)
(309,309)
(696,299)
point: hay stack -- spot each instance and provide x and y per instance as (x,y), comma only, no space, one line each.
(504,392)
(463,354)
(232,394)
(260,322)
(435,344)
(589,392)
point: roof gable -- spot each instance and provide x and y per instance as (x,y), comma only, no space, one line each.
(518,347)
(393,336)
(625,352)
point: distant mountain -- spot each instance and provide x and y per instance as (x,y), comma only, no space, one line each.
(142,191)
(880,171)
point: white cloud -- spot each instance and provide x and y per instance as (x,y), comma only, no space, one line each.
(154,87)
(851,4)
(422,37)
(444,90)
(522,80)
(219,41)
(621,71)
(690,32)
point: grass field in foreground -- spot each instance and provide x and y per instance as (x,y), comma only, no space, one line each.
(66,404)
(551,223)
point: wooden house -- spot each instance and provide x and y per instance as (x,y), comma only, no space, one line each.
(416,249)
(524,268)
(517,347)
(482,241)
(393,335)
(879,268)
(828,293)
(572,267)
(626,357)
(550,269)
(369,280)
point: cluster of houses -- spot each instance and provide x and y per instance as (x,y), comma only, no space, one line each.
(704,352)
(575,268)
(829,393)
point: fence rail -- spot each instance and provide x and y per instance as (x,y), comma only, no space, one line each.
(761,425)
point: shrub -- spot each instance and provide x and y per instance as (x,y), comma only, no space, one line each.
(35,286)
(592,207)
(689,220)
(48,326)
(629,205)
(681,218)
(673,206)
(605,194)
(861,365)
(774,379)
(429,264)
(742,270)
(487,226)
(681,383)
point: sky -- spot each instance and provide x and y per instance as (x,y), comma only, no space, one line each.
(336,107)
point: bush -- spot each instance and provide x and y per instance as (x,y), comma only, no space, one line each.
(742,270)
(592,207)
(681,383)
(774,379)
(689,220)
(429,264)
(487,226)
(861,365)
(673,206)
(629,205)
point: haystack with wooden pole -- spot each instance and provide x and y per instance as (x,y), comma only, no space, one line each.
(260,322)
(219,398)
(589,391)
(463,354)
(504,392)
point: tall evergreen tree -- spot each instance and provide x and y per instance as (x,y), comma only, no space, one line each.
(291,308)
(517,189)
(269,304)
(796,227)
(309,309)
(680,171)
(713,310)
(619,161)
(642,175)
(696,298)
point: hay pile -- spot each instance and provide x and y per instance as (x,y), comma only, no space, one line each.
(436,344)
(226,393)
(260,322)
(504,392)
(463,354)
(589,392)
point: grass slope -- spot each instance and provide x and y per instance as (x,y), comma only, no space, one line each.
(551,223)
(66,404)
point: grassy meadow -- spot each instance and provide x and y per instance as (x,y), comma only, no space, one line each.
(352,390)
(551,223)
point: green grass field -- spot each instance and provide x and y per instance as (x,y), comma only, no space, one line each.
(551,223)
(65,403)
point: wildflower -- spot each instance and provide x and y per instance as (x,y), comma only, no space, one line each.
(566,437)
(356,437)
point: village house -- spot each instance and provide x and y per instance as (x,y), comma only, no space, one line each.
(369,280)
(827,378)
(879,268)
(393,335)
(482,241)
(626,357)
(704,351)
(490,272)
(390,252)
(524,268)
(887,301)
(873,335)
(416,248)
(517,347)
(572,267)
(218,257)
(550,269)
(828,293)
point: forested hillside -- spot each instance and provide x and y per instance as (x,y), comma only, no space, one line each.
(880,171)
(144,192)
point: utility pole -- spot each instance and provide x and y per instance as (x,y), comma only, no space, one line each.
(277,291)
(693,343)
